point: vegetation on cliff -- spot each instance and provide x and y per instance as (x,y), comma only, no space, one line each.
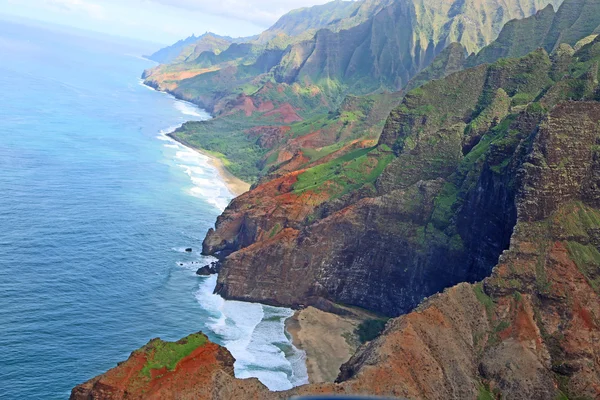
(166,355)
(192,368)
(529,331)
(488,174)
(261,140)
(572,22)
(312,59)
(440,184)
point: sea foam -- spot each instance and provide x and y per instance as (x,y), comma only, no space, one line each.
(253,333)
(190,109)
(255,336)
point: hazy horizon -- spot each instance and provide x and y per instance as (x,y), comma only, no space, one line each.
(157,21)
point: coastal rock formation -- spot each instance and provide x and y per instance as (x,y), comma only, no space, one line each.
(440,185)
(530,331)
(192,368)
(207,270)
(489,175)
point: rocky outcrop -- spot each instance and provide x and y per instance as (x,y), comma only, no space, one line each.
(447,193)
(529,331)
(572,22)
(192,368)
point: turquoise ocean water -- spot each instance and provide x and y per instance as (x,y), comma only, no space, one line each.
(96,208)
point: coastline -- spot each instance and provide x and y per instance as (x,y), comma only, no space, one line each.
(329,340)
(235,185)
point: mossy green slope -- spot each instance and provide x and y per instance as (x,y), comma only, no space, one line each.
(364,58)
(162,354)
(444,175)
(249,158)
(574,20)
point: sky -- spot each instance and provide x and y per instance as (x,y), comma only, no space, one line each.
(158,21)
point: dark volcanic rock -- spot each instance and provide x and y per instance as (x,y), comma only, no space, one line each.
(207,270)
(437,216)
(529,332)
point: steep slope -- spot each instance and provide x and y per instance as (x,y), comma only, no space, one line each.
(386,51)
(573,21)
(304,22)
(451,59)
(374,223)
(168,54)
(530,331)
(207,42)
(179,51)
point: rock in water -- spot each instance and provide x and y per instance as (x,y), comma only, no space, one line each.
(207,270)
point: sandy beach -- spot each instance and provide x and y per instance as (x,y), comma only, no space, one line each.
(328,340)
(234,184)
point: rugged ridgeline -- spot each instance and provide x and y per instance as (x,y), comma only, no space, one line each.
(303,23)
(189,49)
(271,95)
(366,47)
(528,171)
(546,29)
(576,22)
(388,49)
(370,227)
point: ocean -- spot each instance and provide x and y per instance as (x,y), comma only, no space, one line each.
(97,207)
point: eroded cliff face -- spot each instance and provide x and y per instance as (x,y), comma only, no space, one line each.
(440,211)
(193,368)
(529,331)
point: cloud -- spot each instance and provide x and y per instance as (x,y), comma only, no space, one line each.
(260,12)
(94,10)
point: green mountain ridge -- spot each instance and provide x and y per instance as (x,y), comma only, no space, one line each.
(383,53)
(387,50)
(304,22)
(467,208)
(546,29)
(178,52)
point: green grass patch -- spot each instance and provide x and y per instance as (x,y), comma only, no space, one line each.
(275,230)
(370,329)
(316,154)
(168,354)
(587,259)
(444,206)
(346,173)
(226,140)
(483,298)
(485,393)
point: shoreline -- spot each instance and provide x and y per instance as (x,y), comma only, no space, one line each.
(234,184)
(329,340)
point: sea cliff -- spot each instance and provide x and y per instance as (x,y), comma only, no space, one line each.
(471,218)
